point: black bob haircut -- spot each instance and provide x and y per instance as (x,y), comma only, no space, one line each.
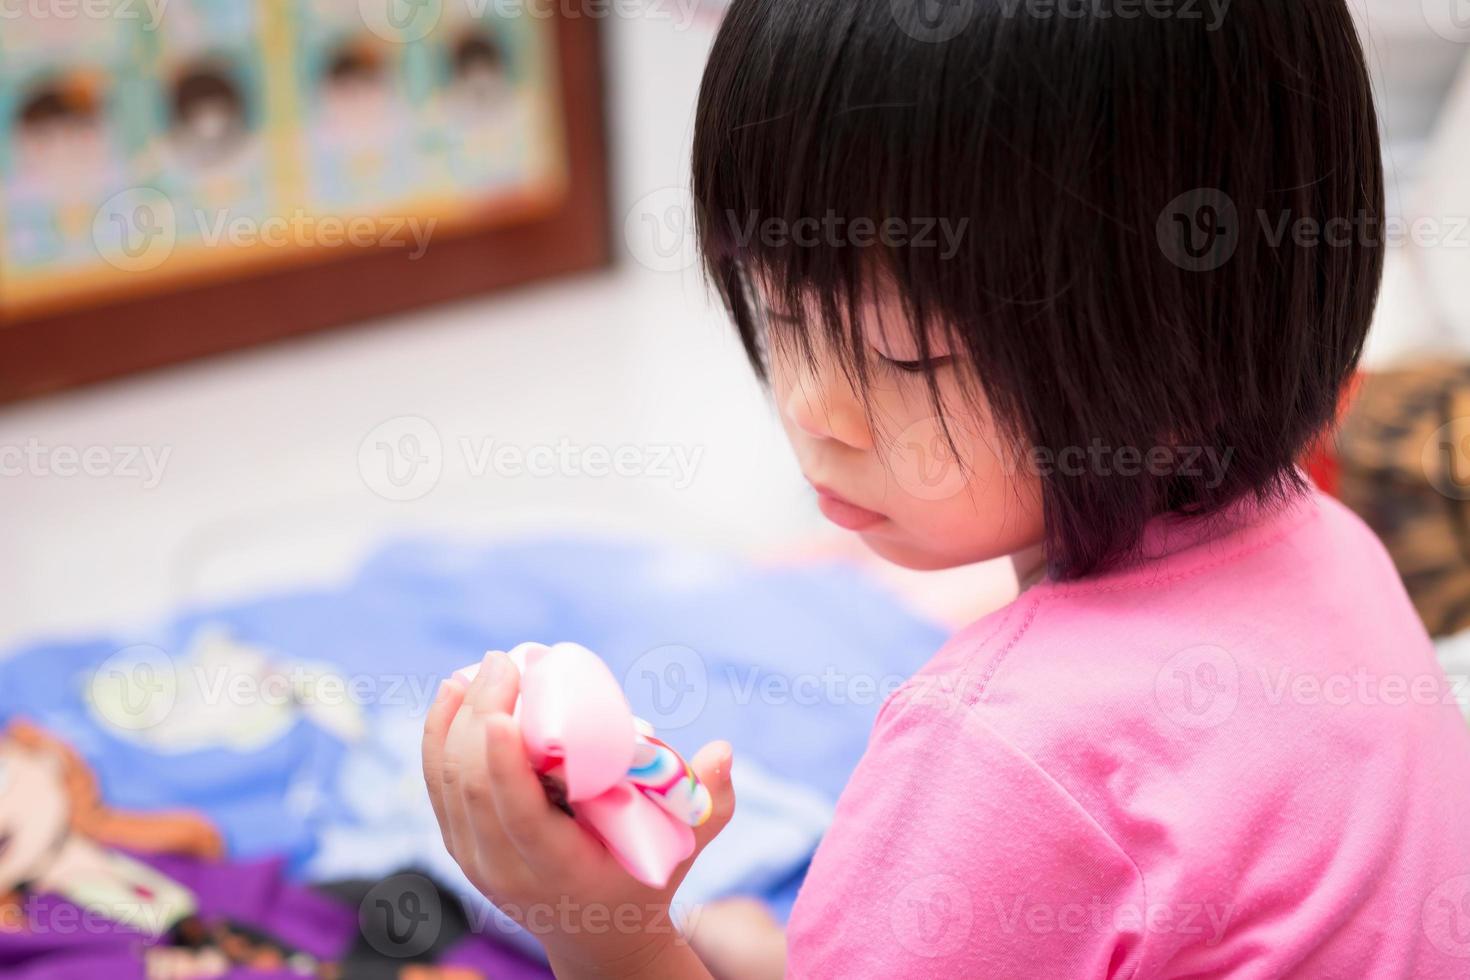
(1173,222)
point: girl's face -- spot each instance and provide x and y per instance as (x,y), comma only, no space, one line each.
(33,811)
(882,466)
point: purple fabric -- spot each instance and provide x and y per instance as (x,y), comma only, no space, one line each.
(62,942)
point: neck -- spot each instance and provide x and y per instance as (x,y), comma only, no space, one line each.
(1030,566)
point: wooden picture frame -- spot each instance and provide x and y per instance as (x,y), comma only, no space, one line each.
(47,352)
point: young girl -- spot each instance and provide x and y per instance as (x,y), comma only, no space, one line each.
(1209,738)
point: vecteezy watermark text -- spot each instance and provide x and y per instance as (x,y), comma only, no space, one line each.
(680,13)
(1211,12)
(38,917)
(833,230)
(1201,230)
(37,459)
(1205,920)
(409,21)
(139,229)
(404,458)
(150,12)
(326,231)
(672,463)
(1100,459)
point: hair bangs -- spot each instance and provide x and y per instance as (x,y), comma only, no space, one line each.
(810,191)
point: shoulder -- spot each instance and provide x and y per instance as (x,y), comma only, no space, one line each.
(1307,575)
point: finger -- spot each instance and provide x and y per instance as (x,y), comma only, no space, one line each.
(436,730)
(492,693)
(464,761)
(712,765)
(491,696)
(465,742)
(497,858)
(496,686)
(543,834)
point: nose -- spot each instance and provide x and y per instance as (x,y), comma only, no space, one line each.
(819,400)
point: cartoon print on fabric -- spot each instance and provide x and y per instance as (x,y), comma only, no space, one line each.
(59,840)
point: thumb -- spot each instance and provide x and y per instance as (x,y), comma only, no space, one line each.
(712,765)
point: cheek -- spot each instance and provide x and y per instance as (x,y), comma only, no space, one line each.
(995,519)
(933,463)
(989,506)
(973,506)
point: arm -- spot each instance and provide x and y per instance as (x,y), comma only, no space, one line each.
(954,855)
(536,863)
(739,939)
(732,939)
(670,960)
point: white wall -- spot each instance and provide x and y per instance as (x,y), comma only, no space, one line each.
(264,487)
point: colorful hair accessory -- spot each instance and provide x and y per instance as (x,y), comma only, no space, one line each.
(621,782)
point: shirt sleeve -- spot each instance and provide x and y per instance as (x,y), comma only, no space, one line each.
(954,855)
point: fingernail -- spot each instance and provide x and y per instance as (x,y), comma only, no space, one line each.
(494,666)
(724,757)
(466,675)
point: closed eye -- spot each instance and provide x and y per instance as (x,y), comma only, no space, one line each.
(927,366)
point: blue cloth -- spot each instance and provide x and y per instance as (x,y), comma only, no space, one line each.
(789,664)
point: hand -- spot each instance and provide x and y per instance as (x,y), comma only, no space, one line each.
(533,861)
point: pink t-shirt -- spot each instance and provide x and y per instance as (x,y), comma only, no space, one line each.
(1236,758)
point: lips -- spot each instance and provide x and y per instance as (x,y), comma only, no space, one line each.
(844,513)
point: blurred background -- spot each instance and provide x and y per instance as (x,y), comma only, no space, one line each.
(354,337)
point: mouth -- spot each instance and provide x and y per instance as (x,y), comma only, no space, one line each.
(844,513)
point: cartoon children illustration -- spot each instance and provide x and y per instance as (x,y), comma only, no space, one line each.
(358,126)
(486,112)
(480,74)
(159,877)
(58,128)
(62,159)
(208,122)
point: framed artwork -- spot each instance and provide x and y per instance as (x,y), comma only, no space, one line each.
(186,177)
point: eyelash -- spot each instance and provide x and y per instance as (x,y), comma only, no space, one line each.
(903,367)
(916,367)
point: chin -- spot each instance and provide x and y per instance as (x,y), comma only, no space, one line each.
(910,555)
